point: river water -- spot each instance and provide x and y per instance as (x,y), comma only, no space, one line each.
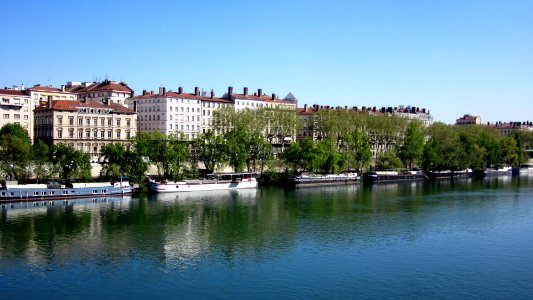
(446,240)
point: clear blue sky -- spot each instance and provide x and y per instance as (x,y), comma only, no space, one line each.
(452,57)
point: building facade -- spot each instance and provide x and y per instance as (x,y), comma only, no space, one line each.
(107,91)
(42,94)
(16,108)
(308,114)
(191,113)
(85,125)
(468,120)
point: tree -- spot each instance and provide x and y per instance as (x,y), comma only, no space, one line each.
(237,147)
(388,161)
(292,156)
(410,151)
(72,163)
(40,155)
(358,144)
(212,151)
(15,149)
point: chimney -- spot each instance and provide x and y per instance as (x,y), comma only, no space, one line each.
(259,92)
(49,101)
(161,91)
(230,91)
(180,90)
(273,96)
(305,107)
(135,106)
(151,92)
(22,86)
(212,94)
(62,87)
(245,91)
(144,92)
(196,91)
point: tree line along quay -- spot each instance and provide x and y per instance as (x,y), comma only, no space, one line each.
(262,140)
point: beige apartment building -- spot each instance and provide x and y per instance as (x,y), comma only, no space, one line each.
(105,91)
(15,107)
(85,125)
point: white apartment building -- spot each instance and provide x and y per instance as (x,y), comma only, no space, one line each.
(259,99)
(16,108)
(107,91)
(191,113)
(169,112)
(209,105)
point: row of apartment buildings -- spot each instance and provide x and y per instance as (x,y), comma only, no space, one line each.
(90,115)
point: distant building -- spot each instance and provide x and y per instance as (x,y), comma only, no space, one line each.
(107,91)
(191,113)
(468,120)
(308,129)
(85,125)
(256,100)
(508,128)
(16,108)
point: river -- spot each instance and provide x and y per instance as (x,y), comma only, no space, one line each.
(445,240)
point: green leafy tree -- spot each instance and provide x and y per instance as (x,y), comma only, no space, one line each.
(72,163)
(412,146)
(15,151)
(211,150)
(388,161)
(359,148)
(40,155)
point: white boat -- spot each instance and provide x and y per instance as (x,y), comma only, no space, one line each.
(214,181)
(328,179)
(526,168)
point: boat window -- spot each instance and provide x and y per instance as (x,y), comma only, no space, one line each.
(65,192)
(43,193)
(12,193)
(51,193)
(95,191)
(3,193)
(36,193)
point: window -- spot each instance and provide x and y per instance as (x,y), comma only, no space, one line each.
(95,133)
(118,133)
(6,116)
(80,133)
(95,121)
(118,122)
(128,122)
(109,134)
(102,121)
(88,121)
(102,134)
(109,122)
(17,116)
(60,133)
(71,120)
(80,121)
(59,120)
(128,134)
